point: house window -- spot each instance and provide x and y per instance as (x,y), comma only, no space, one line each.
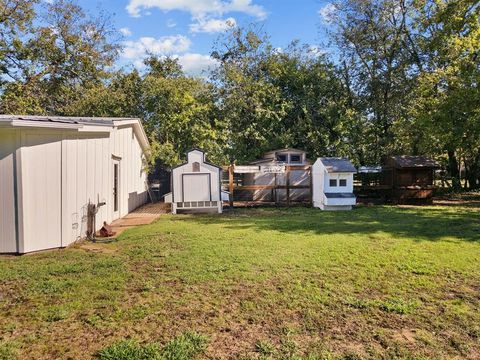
(333,182)
(282,158)
(343,182)
(295,158)
(196,167)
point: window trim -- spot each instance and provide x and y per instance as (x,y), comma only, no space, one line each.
(340,182)
(332,181)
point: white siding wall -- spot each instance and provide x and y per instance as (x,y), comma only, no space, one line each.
(317,182)
(8,140)
(86,178)
(41,165)
(214,172)
(338,188)
(61,171)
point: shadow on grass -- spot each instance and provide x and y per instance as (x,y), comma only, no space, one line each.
(417,223)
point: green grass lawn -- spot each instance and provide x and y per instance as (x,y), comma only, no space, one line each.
(299,283)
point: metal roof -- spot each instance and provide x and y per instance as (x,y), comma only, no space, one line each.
(336,164)
(405,161)
(76,123)
(106,121)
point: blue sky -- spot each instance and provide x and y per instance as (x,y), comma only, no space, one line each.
(187,29)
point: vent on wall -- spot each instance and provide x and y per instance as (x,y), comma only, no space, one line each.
(197,204)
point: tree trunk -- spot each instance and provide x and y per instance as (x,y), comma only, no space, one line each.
(472,173)
(454,169)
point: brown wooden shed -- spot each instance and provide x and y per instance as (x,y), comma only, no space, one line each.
(411,179)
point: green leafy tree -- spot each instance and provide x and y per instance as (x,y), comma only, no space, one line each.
(379,61)
(50,58)
(273,99)
(446,102)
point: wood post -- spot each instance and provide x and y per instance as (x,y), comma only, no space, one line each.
(230,184)
(275,199)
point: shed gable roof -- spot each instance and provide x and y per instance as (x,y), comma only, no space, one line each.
(72,122)
(405,161)
(337,164)
(204,160)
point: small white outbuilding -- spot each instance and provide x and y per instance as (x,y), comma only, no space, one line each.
(332,184)
(52,167)
(196,185)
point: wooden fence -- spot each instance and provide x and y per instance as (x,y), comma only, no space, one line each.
(236,169)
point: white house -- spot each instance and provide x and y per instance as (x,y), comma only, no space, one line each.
(332,184)
(52,167)
(196,185)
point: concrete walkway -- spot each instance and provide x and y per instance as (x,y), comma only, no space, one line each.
(144,215)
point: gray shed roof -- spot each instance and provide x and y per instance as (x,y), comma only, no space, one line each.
(64,119)
(405,161)
(336,164)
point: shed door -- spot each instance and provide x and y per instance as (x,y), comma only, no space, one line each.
(196,187)
(116,189)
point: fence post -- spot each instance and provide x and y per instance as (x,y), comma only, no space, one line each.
(230,184)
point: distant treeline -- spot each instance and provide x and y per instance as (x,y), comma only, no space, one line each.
(399,77)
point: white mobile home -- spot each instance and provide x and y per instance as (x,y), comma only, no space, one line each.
(196,185)
(332,184)
(52,167)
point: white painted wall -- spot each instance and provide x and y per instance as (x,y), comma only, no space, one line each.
(60,172)
(338,189)
(195,156)
(8,139)
(192,186)
(321,185)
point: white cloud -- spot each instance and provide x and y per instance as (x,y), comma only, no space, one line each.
(165,45)
(176,46)
(198,8)
(171,23)
(327,13)
(125,31)
(196,64)
(212,25)
(315,51)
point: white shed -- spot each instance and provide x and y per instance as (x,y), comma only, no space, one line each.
(196,185)
(52,167)
(332,184)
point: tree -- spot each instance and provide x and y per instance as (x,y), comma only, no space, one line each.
(180,112)
(377,51)
(446,102)
(48,60)
(273,99)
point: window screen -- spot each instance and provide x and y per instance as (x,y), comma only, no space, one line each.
(295,158)
(333,182)
(343,182)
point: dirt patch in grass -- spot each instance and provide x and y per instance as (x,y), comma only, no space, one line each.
(96,248)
